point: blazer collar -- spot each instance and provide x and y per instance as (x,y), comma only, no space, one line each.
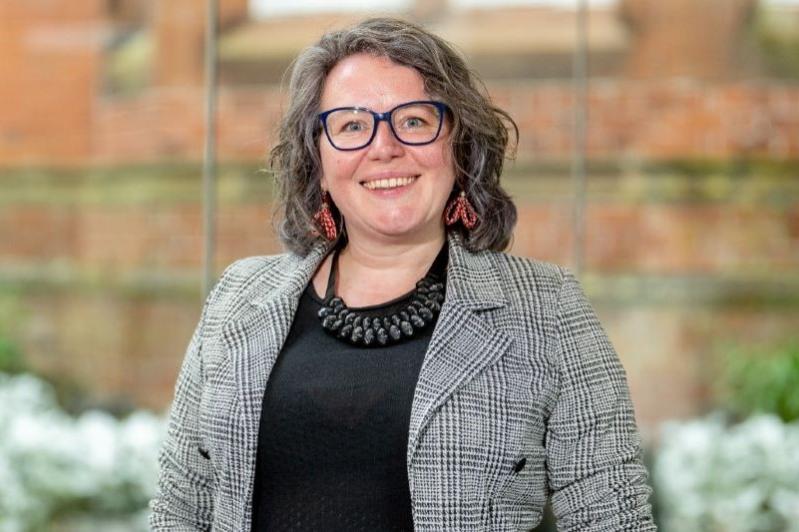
(472,278)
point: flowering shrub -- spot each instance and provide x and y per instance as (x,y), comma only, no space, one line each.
(53,466)
(711,476)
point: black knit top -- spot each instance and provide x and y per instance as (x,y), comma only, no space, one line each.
(334,426)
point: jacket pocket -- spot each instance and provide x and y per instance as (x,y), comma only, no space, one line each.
(214,403)
(518,501)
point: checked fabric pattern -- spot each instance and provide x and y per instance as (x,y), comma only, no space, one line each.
(520,398)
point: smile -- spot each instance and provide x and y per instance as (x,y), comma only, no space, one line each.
(394,182)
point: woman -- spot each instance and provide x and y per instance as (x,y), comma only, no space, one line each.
(395,370)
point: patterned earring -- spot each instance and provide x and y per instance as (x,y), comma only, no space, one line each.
(459,208)
(324,218)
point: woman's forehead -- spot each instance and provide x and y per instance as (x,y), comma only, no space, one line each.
(371,81)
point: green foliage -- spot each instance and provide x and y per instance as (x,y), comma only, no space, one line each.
(11,359)
(763,381)
(777,38)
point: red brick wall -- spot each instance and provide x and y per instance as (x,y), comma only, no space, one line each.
(646,119)
(51,113)
(169,124)
(659,119)
(699,39)
(660,238)
(179,27)
(50,55)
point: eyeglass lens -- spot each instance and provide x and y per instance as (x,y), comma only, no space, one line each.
(417,123)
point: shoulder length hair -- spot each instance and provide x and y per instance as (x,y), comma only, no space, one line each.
(479,137)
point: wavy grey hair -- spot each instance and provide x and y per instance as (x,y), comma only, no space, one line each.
(479,136)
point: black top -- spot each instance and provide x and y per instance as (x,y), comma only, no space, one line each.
(334,425)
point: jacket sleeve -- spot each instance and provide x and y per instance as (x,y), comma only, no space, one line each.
(596,475)
(184,496)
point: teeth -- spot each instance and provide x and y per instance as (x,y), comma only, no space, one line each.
(393,182)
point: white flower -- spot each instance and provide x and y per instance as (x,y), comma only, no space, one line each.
(50,460)
(710,476)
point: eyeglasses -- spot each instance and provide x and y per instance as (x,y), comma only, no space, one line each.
(414,123)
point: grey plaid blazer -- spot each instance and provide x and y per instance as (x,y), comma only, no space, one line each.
(520,397)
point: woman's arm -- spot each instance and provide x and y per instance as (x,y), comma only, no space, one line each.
(184,498)
(596,475)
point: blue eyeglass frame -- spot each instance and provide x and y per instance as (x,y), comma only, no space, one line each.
(386,117)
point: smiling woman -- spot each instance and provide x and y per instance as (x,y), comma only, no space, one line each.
(389,187)
(395,370)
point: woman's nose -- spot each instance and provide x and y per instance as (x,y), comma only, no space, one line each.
(385,145)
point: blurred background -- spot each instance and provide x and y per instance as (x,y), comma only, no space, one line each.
(687,234)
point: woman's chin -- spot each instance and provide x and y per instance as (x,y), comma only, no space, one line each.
(405,231)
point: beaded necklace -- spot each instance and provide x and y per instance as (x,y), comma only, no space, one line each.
(363,327)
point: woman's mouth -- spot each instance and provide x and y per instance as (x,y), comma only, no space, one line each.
(389,183)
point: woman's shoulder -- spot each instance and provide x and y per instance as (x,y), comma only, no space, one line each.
(544,288)
(527,266)
(242,272)
(527,274)
(246,268)
(248,276)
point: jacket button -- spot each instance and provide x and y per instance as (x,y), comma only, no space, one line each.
(520,465)
(205,454)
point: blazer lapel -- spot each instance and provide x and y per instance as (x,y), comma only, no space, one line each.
(464,342)
(253,341)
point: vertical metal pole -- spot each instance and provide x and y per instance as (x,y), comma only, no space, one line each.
(209,153)
(579,151)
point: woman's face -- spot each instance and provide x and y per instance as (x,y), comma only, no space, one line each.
(403,209)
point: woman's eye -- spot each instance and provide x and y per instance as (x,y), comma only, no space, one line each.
(414,122)
(353,127)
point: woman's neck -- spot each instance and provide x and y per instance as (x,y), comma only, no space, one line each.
(371,273)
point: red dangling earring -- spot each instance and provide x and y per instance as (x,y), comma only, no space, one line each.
(459,208)
(324,218)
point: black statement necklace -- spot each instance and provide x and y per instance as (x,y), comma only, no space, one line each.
(363,327)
